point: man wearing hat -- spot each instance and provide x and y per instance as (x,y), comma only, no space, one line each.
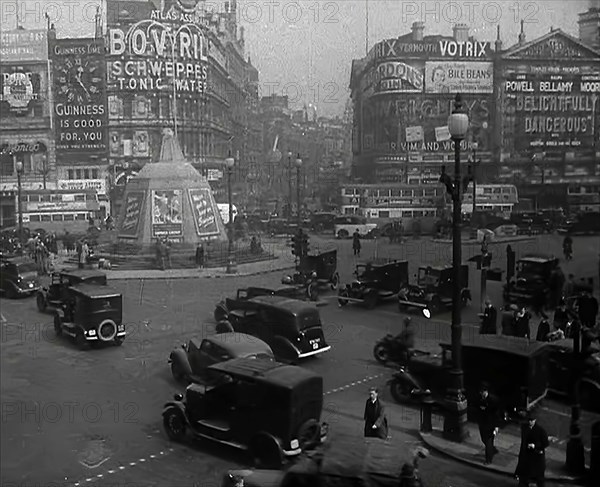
(375,420)
(532,456)
(489,319)
(487,419)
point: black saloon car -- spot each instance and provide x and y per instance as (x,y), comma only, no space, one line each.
(290,327)
(18,277)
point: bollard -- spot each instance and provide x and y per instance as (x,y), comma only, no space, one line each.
(594,478)
(426,410)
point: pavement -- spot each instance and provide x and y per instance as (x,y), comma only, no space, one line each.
(508,443)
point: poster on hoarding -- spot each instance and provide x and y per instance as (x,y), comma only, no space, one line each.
(80,107)
(167,210)
(552,111)
(24,45)
(463,77)
(414,134)
(204,212)
(19,86)
(134,205)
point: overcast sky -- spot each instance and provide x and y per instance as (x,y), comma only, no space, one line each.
(305,47)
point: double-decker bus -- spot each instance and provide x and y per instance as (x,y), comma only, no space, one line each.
(499,199)
(583,197)
(59,210)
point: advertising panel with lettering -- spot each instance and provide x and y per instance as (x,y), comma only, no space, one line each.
(80,107)
(552,111)
(23,45)
(153,53)
(134,205)
(20,88)
(463,77)
(204,212)
(167,210)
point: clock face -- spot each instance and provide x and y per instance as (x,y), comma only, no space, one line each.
(80,79)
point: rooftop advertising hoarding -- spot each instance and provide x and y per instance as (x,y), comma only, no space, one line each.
(459,77)
(19,46)
(80,107)
(552,111)
(163,53)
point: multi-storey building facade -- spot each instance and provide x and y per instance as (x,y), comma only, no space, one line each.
(175,64)
(26,123)
(403,92)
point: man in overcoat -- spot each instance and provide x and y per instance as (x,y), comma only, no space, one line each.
(532,455)
(376,425)
(487,420)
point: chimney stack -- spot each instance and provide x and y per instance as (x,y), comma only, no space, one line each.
(417,31)
(498,40)
(461,32)
(589,27)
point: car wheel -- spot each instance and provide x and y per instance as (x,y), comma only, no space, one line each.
(41,302)
(312,291)
(371,300)
(335,281)
(224,327)
(266,453)
(343,234)
(309,435)
(400,391)
(107,330)
(57,325)
(381,353)
(174,424)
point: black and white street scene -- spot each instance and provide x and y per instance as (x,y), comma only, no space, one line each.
(291,243)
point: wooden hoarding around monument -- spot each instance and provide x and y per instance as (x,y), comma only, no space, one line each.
(134,205)
(205,215)
(167,213)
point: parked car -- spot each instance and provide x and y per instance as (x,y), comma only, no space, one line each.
(315,269)
(343,461)
(486,358)
(292,328)
(190,361)
(91,314)
(433,290)
(322,221)
(374,283)
(533,278)
(18,277)
(269,409)
(54,295)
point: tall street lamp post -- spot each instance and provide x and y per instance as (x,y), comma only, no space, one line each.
(231,265)
(298,163)
(474,165)
(575,458)
(289,211)
(19,168)
(456,403)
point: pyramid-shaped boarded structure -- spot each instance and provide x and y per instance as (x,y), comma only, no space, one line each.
(169,199)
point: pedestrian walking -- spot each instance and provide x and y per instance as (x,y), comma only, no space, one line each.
(200,255)
(588,309)
(487,420)
(84,254)
(376,425)
(543,330)
(356,243)
(532,454)
(522,324)
(489,319)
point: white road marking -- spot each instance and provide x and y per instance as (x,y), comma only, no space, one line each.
(555,411)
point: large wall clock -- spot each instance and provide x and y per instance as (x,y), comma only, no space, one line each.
(80,79)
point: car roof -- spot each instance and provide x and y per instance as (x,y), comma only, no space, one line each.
(539,259)
(236,343)
(501,343)
(286,376)
(95,290)
(294,306)
(82,273)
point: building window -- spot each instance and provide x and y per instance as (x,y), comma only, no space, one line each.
(83,216)
(86,174)
(69,217)
(46,218)
(81,197)
(127,107)
(95,174)
(70,174)
(59,218)
(36,218)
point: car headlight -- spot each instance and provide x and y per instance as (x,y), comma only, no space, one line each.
(294,444)
(91,332)
(121,327)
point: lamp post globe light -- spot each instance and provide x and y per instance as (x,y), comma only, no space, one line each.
(19,168)
(231,265)
(456,403)
(298,163)
(289,207)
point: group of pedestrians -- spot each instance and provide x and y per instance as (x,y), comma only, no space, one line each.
(43,251)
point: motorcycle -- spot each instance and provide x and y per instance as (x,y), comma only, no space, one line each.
(391,348)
